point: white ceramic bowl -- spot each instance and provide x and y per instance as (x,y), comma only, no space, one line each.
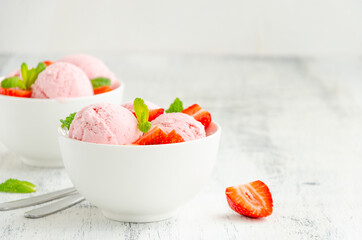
(28,126)
(133,183)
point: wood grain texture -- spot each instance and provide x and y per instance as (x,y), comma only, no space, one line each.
(293,123)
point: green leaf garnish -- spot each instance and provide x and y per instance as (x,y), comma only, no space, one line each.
(29,77)
(100,82)
(13,82)
(24,72)
(68,120)
(17,186)
(144,127)
(142,114)
(176,106)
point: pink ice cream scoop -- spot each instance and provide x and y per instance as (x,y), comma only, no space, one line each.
(15,73)
(129,106)
(62,80)
(184,125)
(105,123)
(93,67)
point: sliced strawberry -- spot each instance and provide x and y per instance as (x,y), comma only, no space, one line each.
(15,92)
(154,113)
(155,136)
(192,109)
(199,114)
(102,89)
(174,137)
(252,199)
(47,63)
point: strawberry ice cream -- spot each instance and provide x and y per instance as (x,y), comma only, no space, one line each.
(15,73)
(105,123)
(92,67)
(62,80)
(129,106)
(186,126)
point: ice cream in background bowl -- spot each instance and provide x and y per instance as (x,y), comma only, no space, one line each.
(130,182)
(92,66)
(30,117)
(62,80)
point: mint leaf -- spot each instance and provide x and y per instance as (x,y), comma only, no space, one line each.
(41,67)
(34,72)
(100,82)
(144,127)
(68,120)
(142,114)
(17,186)
(13,82)
(24,72)
(30,76)
(176,106)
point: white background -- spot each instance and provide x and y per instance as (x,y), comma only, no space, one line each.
(254,27)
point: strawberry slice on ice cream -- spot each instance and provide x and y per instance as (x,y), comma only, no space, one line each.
(158,136)
(48,63)
(199,114)
(15,92)
(154,113)
(155,136)
(174,137)
(103,89)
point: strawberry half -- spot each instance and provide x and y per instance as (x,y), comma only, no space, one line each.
(174,137)
(102,89)
(155,136)
(47,63)
(15,92)
(154,113)
(199,114)
(252,199)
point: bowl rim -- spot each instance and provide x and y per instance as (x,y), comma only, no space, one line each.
(213,135)
(72,99)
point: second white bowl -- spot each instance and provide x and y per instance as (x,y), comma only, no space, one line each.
(28,126)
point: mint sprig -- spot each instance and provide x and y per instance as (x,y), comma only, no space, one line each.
(28,76)
(17,186)
(13,82)
(100,82)
(142,114)
(68,120)
(176,106)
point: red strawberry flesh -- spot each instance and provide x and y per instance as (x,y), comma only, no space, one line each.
(154,113)
(15,92)
(47,63)
(158,136)
(155,136)
(174,137)
(252,199)
(102,89)
(199,114)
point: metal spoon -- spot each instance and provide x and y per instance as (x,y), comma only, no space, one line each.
(57,206)
(32,201)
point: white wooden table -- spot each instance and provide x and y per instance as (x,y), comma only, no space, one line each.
(295,124)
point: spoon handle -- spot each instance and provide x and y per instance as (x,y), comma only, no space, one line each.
(57,206)
(31,201)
